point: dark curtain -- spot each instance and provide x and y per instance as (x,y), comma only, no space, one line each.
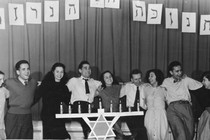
(108,38)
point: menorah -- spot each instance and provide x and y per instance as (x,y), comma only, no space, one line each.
(101,128)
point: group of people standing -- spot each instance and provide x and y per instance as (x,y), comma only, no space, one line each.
(165,101)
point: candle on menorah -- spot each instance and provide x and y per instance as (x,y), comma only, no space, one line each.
(89,108)
(61,108)
(120,106)
(79,108)
(129,109)
(138,106)
(69,108)
(100,104)
(111,106)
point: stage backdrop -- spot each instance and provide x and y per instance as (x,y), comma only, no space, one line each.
(108,38)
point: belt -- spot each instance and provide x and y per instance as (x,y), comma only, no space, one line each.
(180,102)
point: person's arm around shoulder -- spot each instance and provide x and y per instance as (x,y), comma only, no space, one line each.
(6,84)
(123,90)
(6,91)
(37,93)
(99,88)
(98,91)
(143,95)
(165,83)
(192,84)
(97,83)
(163,89)
(71,83)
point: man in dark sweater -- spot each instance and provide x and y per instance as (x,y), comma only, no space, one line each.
(19,119)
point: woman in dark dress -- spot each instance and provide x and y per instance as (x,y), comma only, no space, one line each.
(53,91)
(203,97)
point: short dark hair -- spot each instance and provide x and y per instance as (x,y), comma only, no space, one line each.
(82,63)
(115,82)
(17,65)
(1,72)
(206,74)
(159,75)
(172,65)
(58,65)
(135,71)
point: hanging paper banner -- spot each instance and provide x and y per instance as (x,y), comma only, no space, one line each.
(71,9)
(154,13)
(97,3)
(51,9)
(139,11)
(205,25)
(188,22)
(2,19)
(112,4)
(171,18)
(16,16)
(33,13)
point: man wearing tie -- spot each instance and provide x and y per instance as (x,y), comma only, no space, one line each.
(131,91)
(83,90)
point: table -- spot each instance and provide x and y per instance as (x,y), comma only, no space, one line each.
(101,128)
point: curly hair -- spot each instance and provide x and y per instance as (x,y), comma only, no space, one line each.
(159,76)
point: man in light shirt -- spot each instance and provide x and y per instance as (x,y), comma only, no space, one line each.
(130,90)
(83,90)
(179,111)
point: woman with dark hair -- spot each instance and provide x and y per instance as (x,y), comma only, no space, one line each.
(110,94)
(203,97)
(154,101)
(54,91)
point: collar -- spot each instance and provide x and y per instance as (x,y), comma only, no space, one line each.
(84,78)
(22,81)
(176,80)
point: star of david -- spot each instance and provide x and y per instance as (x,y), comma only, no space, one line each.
(101,128)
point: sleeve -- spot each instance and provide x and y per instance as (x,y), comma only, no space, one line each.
(123,91)
(98,83)
(6,84)
(66,96)
(193,84)
(38,93)
(70,84)
(164,93)
(164,83)
(6,93)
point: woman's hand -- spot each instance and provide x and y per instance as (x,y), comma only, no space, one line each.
(98,90)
